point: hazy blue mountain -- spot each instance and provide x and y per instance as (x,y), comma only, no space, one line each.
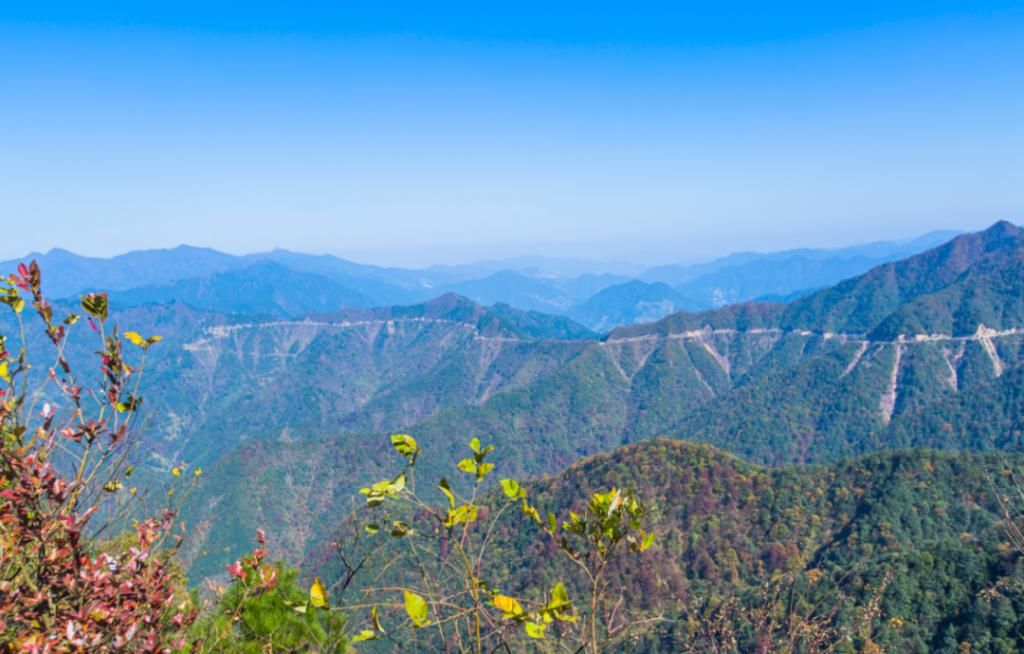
(382,285)
(629,303)
(537,266)
(586,286)
(68,273)
(565,286)
(746,275)
(515,289)
(263,289)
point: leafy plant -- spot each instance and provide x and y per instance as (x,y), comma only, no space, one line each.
(266,610)
(60,589)
(442,551)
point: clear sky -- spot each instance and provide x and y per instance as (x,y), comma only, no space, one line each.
(408,132)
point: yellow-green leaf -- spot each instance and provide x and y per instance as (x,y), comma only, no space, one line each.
(318,594)
(5,373)
(646,542)
(365,634)
(508,605)
(559,596)
(535,629)
(463,513)
(405,445)
(483,469)
(531,512)
(416,609)
(135,338)
(377,493)
(511,488)
(447,490)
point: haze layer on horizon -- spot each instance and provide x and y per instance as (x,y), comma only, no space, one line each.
(407,135)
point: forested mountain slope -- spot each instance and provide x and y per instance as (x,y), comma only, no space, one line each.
(923,352)
(925,526)
(911,547)
(773,383)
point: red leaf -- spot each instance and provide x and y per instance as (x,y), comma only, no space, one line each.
(236,570)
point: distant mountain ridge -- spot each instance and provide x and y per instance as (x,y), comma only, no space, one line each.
(599,297)
(629,303)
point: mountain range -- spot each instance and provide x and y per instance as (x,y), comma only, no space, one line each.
(600,296)
(922,352)
(819,418)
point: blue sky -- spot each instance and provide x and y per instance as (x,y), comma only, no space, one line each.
(402,133)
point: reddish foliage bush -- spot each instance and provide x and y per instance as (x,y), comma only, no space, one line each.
(59,590)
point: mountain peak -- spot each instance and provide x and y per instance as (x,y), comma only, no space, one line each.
(449,302)
(1003,229)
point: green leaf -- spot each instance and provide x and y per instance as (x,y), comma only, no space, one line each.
(559,605)
(647,541)
(559,596)
(552,523)
(475,445)
(416,609)
(365,634)
(372,528)
(467,465)
(511,488)
(382,490)
(464,513)
(483,469)
(535,629)
(399,529)
(406,446)
(447,490)
(95,304)
(531,512)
